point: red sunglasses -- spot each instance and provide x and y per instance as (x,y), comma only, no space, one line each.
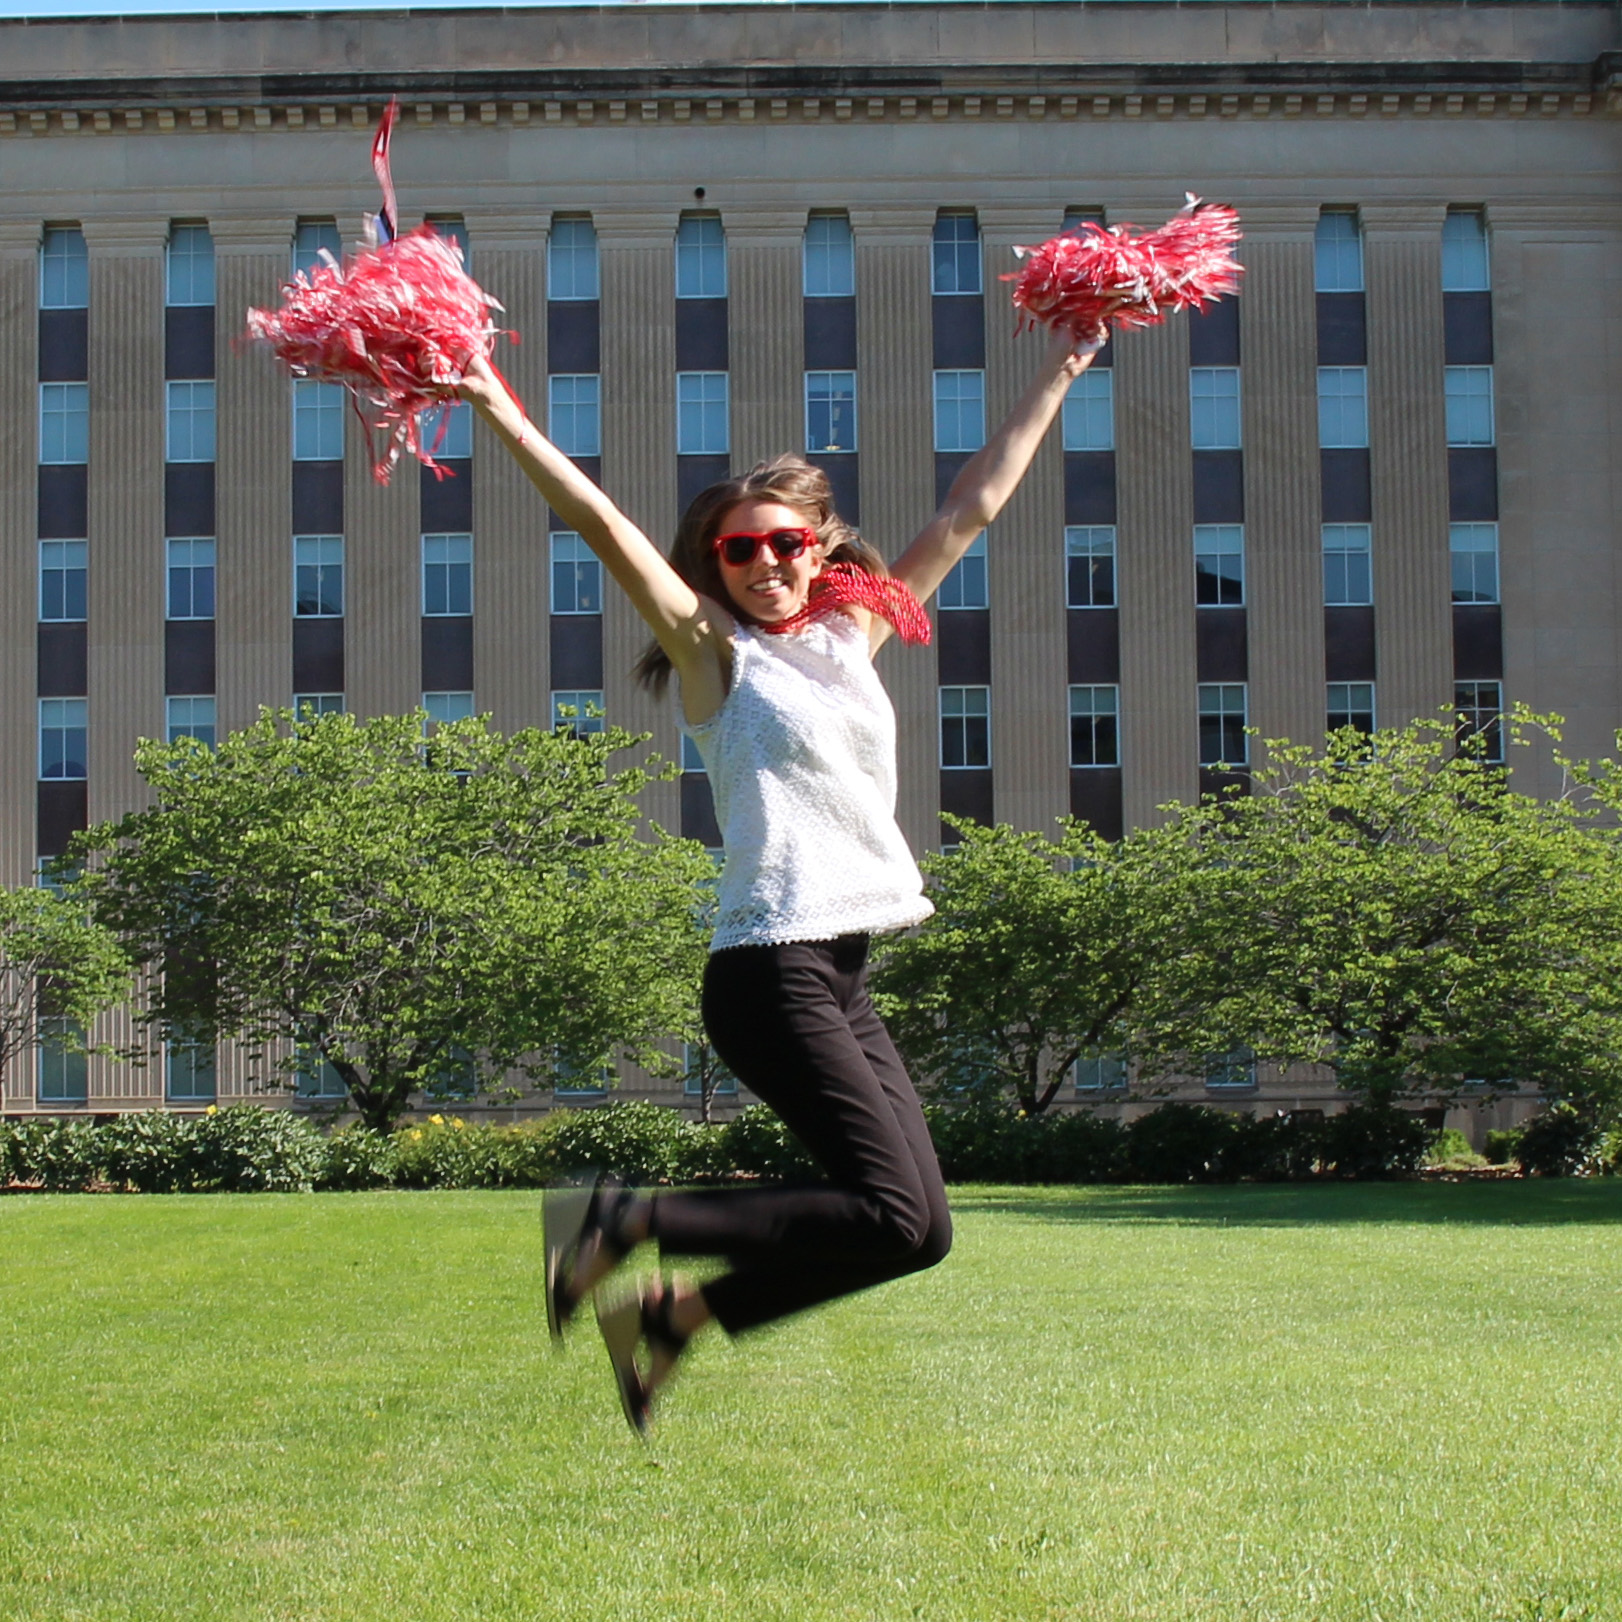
(742,547)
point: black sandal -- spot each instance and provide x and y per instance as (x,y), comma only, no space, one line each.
(640,1318)
(570,1219)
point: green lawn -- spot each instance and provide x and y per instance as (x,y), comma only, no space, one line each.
(1269,1403)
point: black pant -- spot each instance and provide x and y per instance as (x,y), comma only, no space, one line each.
(796,1027)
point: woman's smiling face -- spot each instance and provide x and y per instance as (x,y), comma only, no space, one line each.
(768,588)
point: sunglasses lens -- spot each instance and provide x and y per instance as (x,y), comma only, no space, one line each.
(739,549)
(787,543)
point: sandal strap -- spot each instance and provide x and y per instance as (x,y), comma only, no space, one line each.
(658,1327)
(611,1205)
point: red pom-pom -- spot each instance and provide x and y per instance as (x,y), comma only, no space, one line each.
(842,584)
(1091,275)
(396,324)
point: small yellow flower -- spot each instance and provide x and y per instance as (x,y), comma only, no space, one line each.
(437,1120)
(458,1123)
(416,1133)
(213,1109)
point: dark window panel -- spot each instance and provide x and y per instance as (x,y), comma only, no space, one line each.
(966,794)
(188,341)
(447,504)
(1343,336)
(1092,645)
(844,474)
(63,809)
(1478,642)
(960,332)
(64,346)
(1219,487)
(1472,483)
(318,503)
(188,656)
(963,647)
(62,660)
(1345,496)
(1213,338)
(1213,782)
(1089,487)
(574,336)
(63,502)
(830,334)
(701,335)
(1095,797)
(1222,644)
(696,473)
(447,654)
(698,810)
(318,656)
(948,464)
(1349,647)
(188,498)
(1467,329)
(576,652)
(1105,358)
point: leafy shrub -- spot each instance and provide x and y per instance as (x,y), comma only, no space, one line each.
(358,1157)
(1373,1141)
(1561,1141)
(1501,1147)
(642,1142)
(1450,1145)
(445,1152)
(59,1153)
(243,1149)
(988,1142)
(1274,1148)
(149,1151)
(1182,1143)
(1078,1147)
(756,1143)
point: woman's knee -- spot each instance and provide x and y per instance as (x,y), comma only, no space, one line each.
(918,1239)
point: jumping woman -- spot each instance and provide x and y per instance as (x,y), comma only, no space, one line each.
(769,610)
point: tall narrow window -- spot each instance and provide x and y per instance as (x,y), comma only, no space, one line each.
(965,727)
(318,421)
(64,1066)
(312,239)
(447,576)
(64,423)
(574,413)
(956,253)
(1348,575)
(960,411)
(702,416)
(830,257)
(189,421)
(1231,1072)
(447,430)
(966,586)
(1465,266)
(1479,708)
(1474,552)
(62,571)
(1222,724)
(63,727)
(1337,252)
(830,411)
(189,1073)
(1213,400)
(1095,726)
(318,576)
(454,229)
(1089,411)
(444,708)
(191,717)
(1343,407)
(577,576)
(1101,1072)
(64,269)
(1351,704)
(578,710)
(1219,565)
(571,259)
(190,582)
(701,257)
(1469,405)
(1089,565)
(317,1076)
(190,266)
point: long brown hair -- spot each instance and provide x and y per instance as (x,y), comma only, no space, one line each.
(788,479)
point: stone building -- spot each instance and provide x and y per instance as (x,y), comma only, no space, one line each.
(1378,484)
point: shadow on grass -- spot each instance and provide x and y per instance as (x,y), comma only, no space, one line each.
(1529,1204)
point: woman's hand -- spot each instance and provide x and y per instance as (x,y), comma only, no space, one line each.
(1069,355)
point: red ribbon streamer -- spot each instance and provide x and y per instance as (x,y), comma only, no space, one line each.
(842,584)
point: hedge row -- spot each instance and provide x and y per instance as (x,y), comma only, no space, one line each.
(244,1148)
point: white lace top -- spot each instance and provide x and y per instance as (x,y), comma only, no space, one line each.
(801,761)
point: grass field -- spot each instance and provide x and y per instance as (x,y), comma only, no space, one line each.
(1272,1403)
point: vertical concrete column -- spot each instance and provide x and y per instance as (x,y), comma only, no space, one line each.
(895,393)
(125,517)
(509,541)
(253,488)
(1155,569)
(1283,528)
(1402,246)
(19,595)
(637,271)
(1559,445)
(1029,704)
(765,333)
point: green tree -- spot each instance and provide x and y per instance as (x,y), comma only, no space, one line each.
(1395,910)
(399,901)
(58,969)
(1040,951)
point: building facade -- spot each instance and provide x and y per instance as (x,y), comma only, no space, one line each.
(1379,483)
